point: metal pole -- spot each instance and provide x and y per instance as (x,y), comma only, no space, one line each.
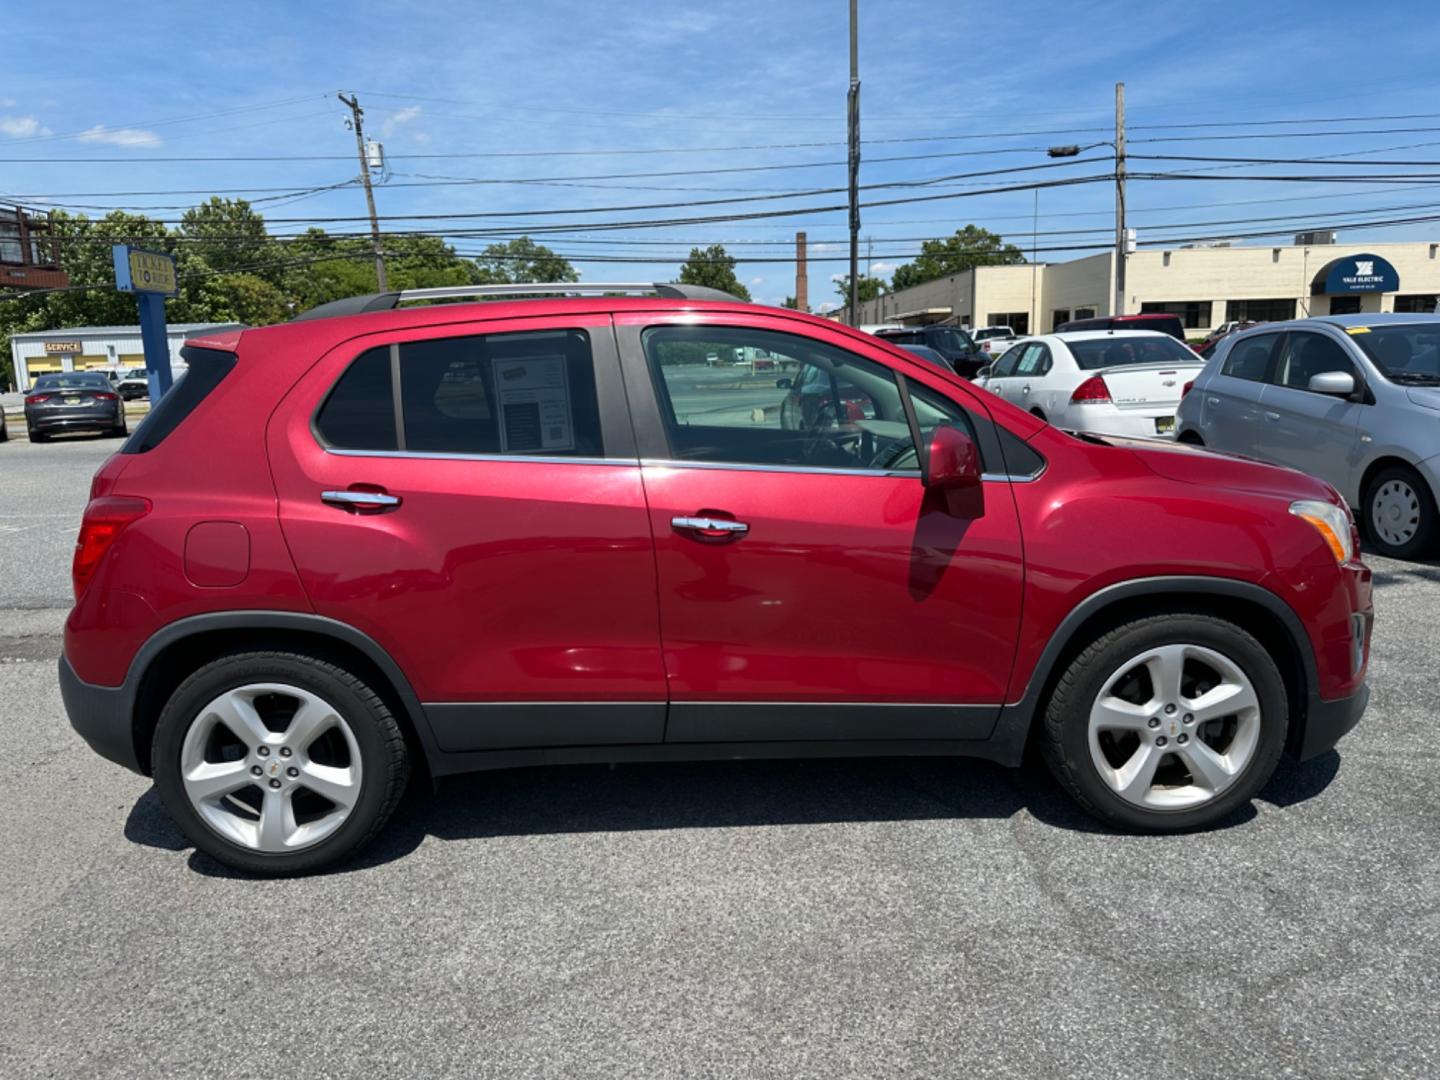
(1120,238)
(358,113)
(854,126)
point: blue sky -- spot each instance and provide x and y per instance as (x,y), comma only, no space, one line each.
(566,92)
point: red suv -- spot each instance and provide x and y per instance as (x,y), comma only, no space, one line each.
(385,539)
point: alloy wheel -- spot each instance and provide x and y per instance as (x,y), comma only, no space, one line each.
(271,767)
(1395,512)
(1174,726)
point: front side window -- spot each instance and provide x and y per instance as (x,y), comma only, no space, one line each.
(1308,355)
(528,393)
(1006,365)
(1250,358)
(819,407)
(1123,350)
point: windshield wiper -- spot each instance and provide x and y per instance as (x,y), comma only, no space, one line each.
(1413,378)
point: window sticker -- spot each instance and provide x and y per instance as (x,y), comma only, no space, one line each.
(533,394)
(1357,329)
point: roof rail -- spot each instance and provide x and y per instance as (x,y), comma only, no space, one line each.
(387,301)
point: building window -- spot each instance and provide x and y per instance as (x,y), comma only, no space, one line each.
(11,250)
(1058,316)
(1345,305)
(1019,321)
(1083,313)
(1194,314)
(1259,310)
(1414,304)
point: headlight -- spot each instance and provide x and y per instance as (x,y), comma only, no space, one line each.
(1331,522)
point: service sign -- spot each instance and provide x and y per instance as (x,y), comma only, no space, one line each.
(63,347)
(144,271)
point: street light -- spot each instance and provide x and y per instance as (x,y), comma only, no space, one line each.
(1118,146)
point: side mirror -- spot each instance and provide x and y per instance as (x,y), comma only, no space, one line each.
(1335,383)
(782,384)
(954,461)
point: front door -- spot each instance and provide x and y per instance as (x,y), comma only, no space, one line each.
(1315,433)
(809,587)
(469,496)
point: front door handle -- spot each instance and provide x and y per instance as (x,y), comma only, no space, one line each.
(360,502)
(1212,401)
(1272,416)
(712,527)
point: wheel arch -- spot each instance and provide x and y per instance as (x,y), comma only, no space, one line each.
(1260,611)
(177,650)
(1376,467)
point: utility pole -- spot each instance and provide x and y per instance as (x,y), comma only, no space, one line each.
(1122,243)
(854,126)
(358,113)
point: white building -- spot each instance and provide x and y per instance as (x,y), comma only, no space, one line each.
(94,348)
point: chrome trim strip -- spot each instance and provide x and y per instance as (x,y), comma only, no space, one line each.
(533,459)
(666,463)
(359,498)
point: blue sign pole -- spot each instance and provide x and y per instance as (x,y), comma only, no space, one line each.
(150,275)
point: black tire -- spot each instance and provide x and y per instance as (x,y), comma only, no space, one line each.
(123,431)
(36,437)
(1423,541)
(1190,438)
(1038,415)
(4,431)
(1064,738)
(383,757)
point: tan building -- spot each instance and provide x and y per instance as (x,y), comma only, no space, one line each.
(1204,286)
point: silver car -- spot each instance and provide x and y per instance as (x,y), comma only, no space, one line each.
(1352,399)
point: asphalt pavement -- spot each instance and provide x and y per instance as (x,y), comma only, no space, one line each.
(751,919)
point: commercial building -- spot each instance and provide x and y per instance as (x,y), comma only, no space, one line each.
(93,348)
(1205,286)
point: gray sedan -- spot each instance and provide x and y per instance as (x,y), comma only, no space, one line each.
(1352,399)
(74,401)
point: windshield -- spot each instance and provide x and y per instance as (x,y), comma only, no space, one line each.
(1118,351)
(75,381)
(1409,353)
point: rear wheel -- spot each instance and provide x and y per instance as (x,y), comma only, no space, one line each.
(36,437)
(1400,515)
(123,429)
(1167,724)
(1037,414)
(276,763)
(1190,437)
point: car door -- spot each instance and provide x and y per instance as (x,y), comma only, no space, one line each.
(469,496)
(1002,373)
(1030,372)
(1230,417)
(809,588)
(1315,433)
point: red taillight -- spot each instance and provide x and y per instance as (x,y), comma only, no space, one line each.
(1187,388)
(104,395)
(34,399)
(1092,391)
(105,519)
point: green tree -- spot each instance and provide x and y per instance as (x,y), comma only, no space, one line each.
(790,303)
(970,247)
(868,288)
(715,269)
(521,261)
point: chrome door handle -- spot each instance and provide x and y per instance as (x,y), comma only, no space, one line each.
(359,500)
(1212,401)
(710,526)
(1025,389)
(1272,416)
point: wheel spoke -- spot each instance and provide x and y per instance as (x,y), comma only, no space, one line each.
(1207,768)
(1167,665)
(277,821)
(210,780)
(1133,779)
(336,784)
(237,713)
(313,717)
(1116,714)
(1227,699)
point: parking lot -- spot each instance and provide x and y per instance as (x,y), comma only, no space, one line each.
(789,919)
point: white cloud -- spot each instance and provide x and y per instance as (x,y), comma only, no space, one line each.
(422,137)
(881,269)
(21,127)
(8,103)
(398,119)
(837,277)
(757,281)
(824,247)
(129,138)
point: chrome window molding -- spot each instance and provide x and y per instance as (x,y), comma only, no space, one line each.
(438,455)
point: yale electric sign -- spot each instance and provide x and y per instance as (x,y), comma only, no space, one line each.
(139,271)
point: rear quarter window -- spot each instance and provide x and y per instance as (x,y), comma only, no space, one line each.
(207,369)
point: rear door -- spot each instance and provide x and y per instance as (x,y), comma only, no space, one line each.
(1230,415)
(809,588)
(469,496)
(1315,433)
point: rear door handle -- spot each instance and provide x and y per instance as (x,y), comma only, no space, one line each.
(358,502)
(713,527)
(1272,416)
(1212,401)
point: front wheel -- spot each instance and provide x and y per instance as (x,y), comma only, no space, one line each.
(1400,514)
(278,763)
(1167,724)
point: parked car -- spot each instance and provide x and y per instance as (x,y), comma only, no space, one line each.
(875,328)
(134,387)
(299,581)
(958,348)
(1352,399)
(1119,383)
(993,340)
(73,401)
(4,429)
(930,356)
(1164,324)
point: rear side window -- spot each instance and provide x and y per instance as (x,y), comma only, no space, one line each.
(206,370)
(1250,358)
(530,393)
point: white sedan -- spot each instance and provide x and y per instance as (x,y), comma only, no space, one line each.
(1111,382)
